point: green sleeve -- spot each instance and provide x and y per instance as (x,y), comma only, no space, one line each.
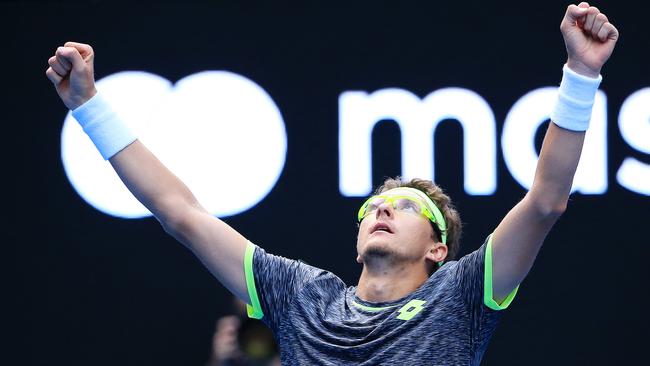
(488,298)
(253,309)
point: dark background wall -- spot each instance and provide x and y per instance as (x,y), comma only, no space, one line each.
(86,288)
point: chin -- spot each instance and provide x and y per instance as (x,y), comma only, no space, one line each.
(378,252)
(378,249)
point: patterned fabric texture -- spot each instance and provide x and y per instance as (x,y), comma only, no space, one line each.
(318,320)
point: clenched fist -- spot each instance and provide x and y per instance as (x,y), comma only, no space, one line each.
(72,73)
(589,37)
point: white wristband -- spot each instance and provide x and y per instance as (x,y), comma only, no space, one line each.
(104,127)
(575,100)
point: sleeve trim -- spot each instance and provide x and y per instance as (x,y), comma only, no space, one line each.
(254,310)
(488,297)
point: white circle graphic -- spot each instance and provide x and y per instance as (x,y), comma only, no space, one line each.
(218,131)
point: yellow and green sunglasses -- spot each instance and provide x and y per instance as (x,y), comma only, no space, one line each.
(407,204)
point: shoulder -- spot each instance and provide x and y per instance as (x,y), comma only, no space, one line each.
(271,263)
(473,259)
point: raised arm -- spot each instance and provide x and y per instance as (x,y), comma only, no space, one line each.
(218,246)
(590,40)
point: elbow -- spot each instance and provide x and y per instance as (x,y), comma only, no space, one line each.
(178,226)
(171,225)
(174,217)
(550,209)
(556,210)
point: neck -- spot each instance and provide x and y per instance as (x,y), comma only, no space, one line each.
(390,283)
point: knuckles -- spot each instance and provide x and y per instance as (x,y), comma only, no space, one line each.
(593,10)
(573,14)
(65,51)
(82,48)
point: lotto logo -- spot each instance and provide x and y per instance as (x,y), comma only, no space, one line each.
(411,309)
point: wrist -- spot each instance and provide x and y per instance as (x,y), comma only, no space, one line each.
(582,69)
(576,96)
(78,101)
(106,129)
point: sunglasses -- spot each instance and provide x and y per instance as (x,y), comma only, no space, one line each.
(406,204)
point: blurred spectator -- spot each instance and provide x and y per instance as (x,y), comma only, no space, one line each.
(241,341)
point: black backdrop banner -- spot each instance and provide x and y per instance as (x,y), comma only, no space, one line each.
(87,287)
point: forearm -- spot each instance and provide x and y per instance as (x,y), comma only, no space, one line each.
(155,186)
(143,174)
(564,138)
(556,168)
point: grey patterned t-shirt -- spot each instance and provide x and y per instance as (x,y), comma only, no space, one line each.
(318,320)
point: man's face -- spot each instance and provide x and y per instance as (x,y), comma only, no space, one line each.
(396,235)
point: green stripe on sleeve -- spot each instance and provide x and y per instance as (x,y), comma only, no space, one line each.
(488,298)
(254,311)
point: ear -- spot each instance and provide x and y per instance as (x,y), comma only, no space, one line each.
(437,253)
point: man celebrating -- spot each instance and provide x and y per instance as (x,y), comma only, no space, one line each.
(414,303)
